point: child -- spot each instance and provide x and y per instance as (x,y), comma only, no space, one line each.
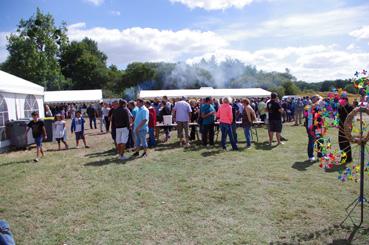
(78,127)
(38,133)
(59,130)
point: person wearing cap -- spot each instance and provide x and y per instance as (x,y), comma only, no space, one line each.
(182,114)
(343,110)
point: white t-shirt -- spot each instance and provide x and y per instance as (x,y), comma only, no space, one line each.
(59,129)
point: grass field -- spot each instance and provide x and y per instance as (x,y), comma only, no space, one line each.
(177,196)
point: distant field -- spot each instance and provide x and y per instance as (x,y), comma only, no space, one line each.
(176,196)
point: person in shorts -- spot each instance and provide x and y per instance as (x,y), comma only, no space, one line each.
(182,114)
(121,119)
(141,128)
(275,119)
(78,128)
(38,132)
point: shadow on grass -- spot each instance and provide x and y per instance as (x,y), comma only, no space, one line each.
(264,146)
(212,153)
(110,152)
(322,236)
(108,161)
(15,162)
(302,166)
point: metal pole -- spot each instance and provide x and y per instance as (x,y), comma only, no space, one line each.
(361,198)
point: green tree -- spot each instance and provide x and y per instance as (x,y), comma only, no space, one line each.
(34,51)
(290,88)
(85,65)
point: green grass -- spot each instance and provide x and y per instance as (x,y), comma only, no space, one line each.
(176,196)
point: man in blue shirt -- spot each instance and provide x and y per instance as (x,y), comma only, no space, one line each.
(208,118)
(141,128)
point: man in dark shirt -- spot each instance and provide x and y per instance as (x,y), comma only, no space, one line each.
(112,126)
(344,109)
(91,112)
(121,120)
(275,119)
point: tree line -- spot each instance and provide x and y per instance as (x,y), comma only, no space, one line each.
(40,51)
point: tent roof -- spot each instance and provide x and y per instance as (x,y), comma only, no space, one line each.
(204,92)
(13,84)
(73,96)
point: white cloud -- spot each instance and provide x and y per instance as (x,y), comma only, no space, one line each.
(95,2)
(115,13)
(213,4)
(148,44)
(362,33)
(310,63)
(320,24)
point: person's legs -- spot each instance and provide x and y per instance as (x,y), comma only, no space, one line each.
(278,136)
(231,138)
(107,124)
(65,144)
(152,142)
(143,140)
(101,123)
(247,136)
(310,146)
(94,119)
(234,132)
(180,132)
(223,129)
(205,133)
(90,120)
(211,134)
(186,129)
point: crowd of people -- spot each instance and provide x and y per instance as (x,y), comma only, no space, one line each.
(134,124)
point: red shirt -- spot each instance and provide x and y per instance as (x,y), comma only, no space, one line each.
(152,117)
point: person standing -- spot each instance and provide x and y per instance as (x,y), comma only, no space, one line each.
(343,110)
(152,124)
(165,111)
(275,119)
(38,132)
(121,119)
(105,116)
(140,127)
(208,117)
(225,116)
(299,111)
(313,131)
(112,126)
(59,130)
(262,110)
(182,114)
(78,127)
(248,117)
(91,112)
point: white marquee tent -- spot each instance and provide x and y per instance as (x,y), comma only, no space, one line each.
(18,99)
(204,92)
(73,96)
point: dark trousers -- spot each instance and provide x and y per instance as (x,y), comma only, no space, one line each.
(345,145)
(208,134)
(107,123)
(226,129)
(193,133)
(92,120)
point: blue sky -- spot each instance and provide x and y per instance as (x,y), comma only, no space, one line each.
(316,40)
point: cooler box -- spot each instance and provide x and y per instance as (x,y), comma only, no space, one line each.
(17,133)
(49,128)
(168,120)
